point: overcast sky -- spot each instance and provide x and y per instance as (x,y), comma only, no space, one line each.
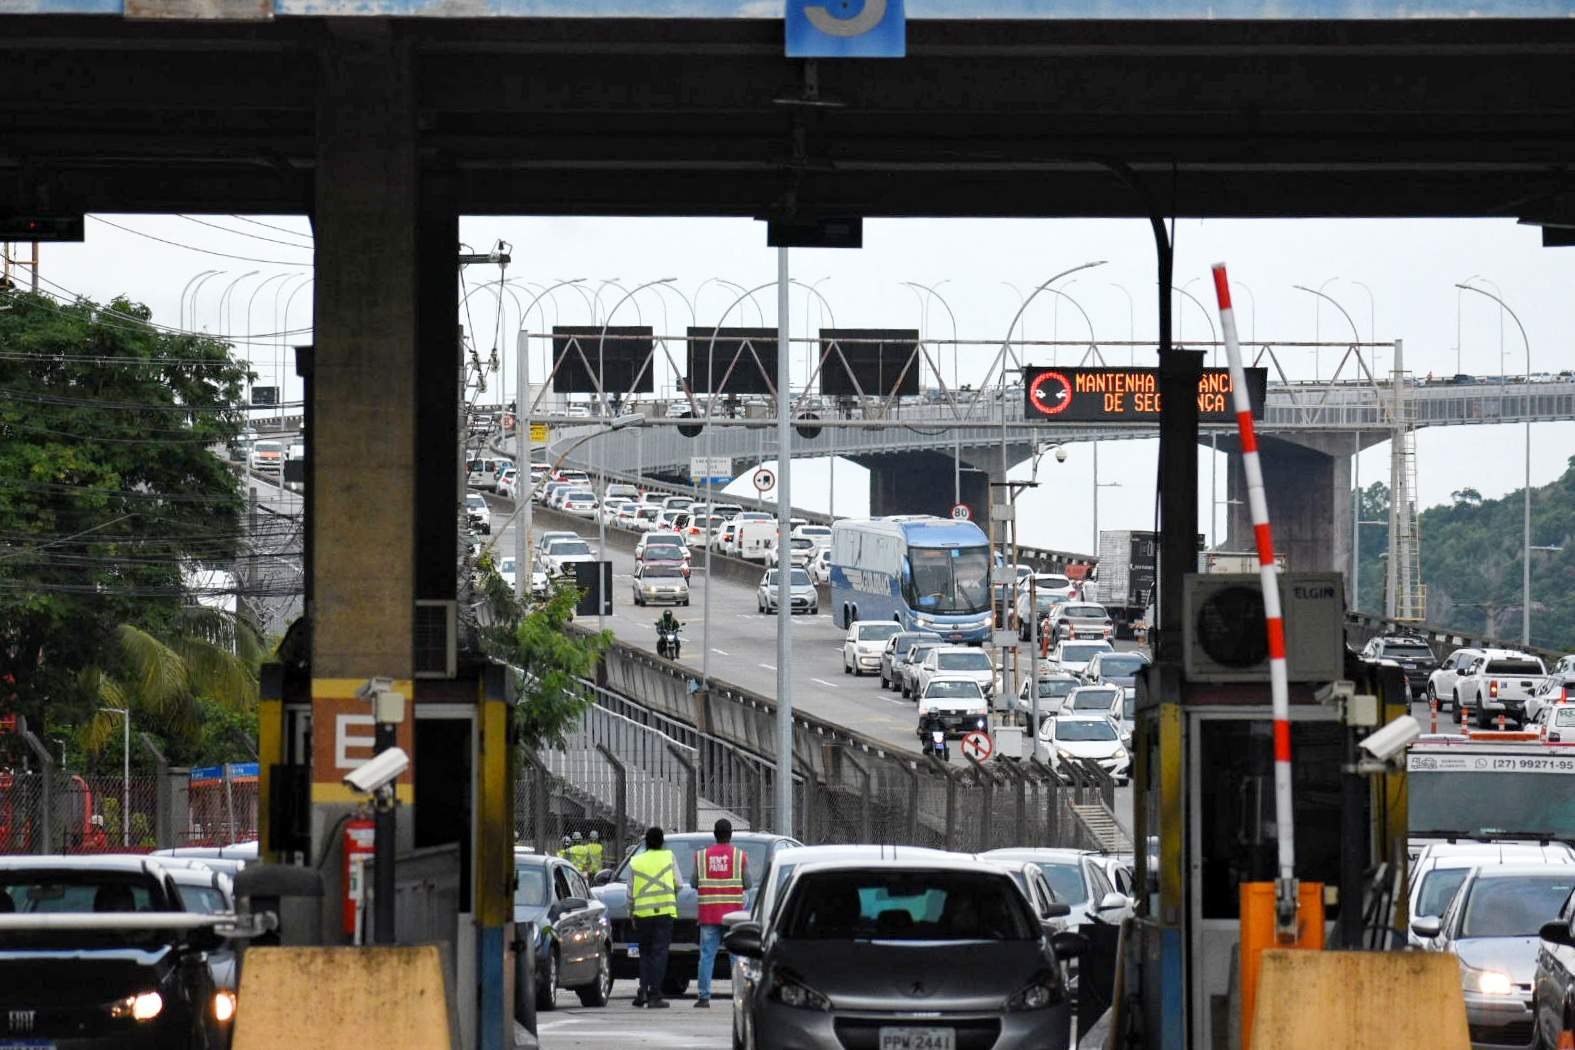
(1410,267)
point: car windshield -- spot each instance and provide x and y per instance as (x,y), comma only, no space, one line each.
(877,632)
(656,539)
(1082,653)
(1122,666)
(1095,699)
(916,652)
(944,690)
(563,547)
(664,552)
(1514,905)
(476,501)
(1083,731)
(1083,612)
(886,905)
(801,543)
(506,565)
(1066,880)
(949,580)
(530,887)
(204,900)
(1055,687)
(75,892)
(799,578)
(973,660)
(1438,889)
(664,571)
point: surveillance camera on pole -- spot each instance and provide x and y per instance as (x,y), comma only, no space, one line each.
(376,775)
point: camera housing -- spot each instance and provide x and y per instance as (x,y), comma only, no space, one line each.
(1390,742)
(378,772)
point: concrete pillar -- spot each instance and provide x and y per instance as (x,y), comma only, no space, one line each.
(1308,485)
(921,483)
(362,505)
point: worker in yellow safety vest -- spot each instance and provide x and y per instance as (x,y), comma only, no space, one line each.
(595,856)
(577,851)
(653,904)
(567,852)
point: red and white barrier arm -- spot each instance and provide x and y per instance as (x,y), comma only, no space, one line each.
(1279,686)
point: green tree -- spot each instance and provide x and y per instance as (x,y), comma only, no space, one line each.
(110,489)
(552,657)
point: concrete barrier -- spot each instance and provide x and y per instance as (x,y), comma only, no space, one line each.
(389,998)
(1359,999)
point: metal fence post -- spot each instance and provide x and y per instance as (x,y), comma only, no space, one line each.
(163,802)
(866,832)
(46,817)
(950,844)
(757,799)
(1050,784)
(620,801)
(544,843)
(986,782)
(691,790)
(912,769)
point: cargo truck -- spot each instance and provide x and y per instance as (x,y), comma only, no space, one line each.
(1128,568)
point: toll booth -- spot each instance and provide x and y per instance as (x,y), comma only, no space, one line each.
(1204,802)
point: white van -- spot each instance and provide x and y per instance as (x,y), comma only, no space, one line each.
(755,540)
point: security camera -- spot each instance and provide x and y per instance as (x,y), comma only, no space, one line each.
(1060,454)
(1392,739)
(378,772)
(369,689)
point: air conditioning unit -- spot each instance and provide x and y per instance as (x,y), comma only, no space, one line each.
(436,638)
(1224,639)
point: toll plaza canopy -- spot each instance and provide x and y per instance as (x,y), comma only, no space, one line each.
(1000,107)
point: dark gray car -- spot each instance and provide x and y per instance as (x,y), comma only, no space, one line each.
(894,652)
(1493,927)
(573,935)
(929,952)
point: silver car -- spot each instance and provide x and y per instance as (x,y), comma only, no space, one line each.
(1493,926)
(801,592)
(660,582)
(854,949)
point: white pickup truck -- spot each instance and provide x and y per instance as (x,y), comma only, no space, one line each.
(1499,682)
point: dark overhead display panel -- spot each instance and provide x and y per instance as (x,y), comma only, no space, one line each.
(580,352)
(881,360)
(742,361)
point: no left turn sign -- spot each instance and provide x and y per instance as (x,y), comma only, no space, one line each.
(978,746)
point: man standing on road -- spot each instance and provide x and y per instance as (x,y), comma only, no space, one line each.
(595,855)
(653,904)
(721,874)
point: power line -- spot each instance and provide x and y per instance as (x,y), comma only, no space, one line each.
(116,406)
(192,248)
(243,233)
(271,226)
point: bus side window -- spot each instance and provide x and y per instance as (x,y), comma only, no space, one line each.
(908,594)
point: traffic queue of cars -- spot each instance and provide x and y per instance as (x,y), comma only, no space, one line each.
(840,939)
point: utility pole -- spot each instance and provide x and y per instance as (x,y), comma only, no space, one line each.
(784,798)
(522,471)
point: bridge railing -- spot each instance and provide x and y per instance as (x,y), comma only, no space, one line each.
(1361,627)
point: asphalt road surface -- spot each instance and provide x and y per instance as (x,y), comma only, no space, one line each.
(619,1025)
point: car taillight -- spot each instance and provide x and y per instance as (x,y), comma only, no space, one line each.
(1493,688)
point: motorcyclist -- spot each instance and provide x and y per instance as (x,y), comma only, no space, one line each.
(930,726)
(668,622)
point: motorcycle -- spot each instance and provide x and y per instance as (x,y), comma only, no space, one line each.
(668,645)
(938,745)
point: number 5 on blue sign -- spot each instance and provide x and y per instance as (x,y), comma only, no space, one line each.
(846,29)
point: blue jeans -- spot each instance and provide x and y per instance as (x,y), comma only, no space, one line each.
(710,943)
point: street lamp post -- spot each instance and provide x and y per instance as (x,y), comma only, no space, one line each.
(1553,548)
(224,302)
(182,309)
(210,275)
(929,289)
(1317,325)
(125,774)
(1097,486)
(1356,454)
(285,327)
(1525,561)
(1131,328)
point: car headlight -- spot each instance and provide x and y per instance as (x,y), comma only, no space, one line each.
(788,990)
(1037,995)
(1120,755)
(1064,754)
(143,1007)
(223,1005)
(1488,982)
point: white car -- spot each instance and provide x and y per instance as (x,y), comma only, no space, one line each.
(267,457)
(580,504)
(628,514)
(1074,656)
(1054,687)
(677,502)
(645,518)
(538,577)
(1499,682)
(958,702)
(819,535)
(660,539)
(1440,868)
(621,490)
(803,548)
(608,512)
(862,647)
(662,582)
(820,567)
(956,661)
(560,556)
(1442,682)
(1086,736)
(508,483)
(551,536)
(1103,700)
(477,513)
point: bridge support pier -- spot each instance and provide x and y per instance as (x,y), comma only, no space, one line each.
(922,483)
(1308,485)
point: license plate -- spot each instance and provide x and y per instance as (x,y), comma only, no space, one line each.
(634,951)
(918,1039)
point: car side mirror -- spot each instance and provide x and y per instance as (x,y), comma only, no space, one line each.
(567,905)
(1112,902)
(1057,910)
(1069,945)
(602,878)
(1553,933)
(735,918)
(1428,926)
(744,940)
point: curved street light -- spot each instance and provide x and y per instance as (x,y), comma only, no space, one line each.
(224,299)
(1356,476)
(1131,328)
(181,312)
(198,291)
(1525,561)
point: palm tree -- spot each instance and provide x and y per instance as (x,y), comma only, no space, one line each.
(161,675)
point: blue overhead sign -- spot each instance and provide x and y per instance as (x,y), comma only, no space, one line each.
(846,29)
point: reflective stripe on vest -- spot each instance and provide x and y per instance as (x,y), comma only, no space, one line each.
(653,884)
(719,877)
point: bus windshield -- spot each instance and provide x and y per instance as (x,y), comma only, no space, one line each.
(950,580)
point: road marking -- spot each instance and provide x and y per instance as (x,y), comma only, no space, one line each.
(719,652)
(769,667)
(894,700)
(828,685)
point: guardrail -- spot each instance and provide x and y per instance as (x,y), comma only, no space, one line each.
(1442,640)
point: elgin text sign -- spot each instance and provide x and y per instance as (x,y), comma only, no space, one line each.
(1127,395)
